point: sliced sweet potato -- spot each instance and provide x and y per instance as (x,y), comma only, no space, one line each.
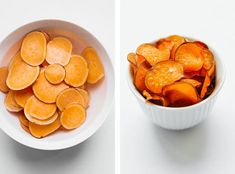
(33,49)
(10,102)
(164,44)
(181,94)
(131,57)
(211,71)
(139,79)
(59,51)
(3,77)
(76,71)
(162,74)
(73,116)
(206,83)
(23,95)
(139,60)
(192,74)
(177,41)
(45,91)
(152,54)
(208,59)
(69,96)
(155,97)
(25,128)
(201,44)
(21,75)
(38,109)
(189,55)
(193,82)
(46,36)
(55,73)
(43,122)
(96,69)
(40,131)
(85,96)
(23,120)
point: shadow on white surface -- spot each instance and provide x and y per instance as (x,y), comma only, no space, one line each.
(185,146)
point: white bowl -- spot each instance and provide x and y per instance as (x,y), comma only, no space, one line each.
(101,95)
(182,117)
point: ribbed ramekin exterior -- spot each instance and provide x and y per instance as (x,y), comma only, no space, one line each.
(179,118)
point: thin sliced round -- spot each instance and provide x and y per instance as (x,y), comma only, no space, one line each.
(206,83)
(3,77)
(69,96)
(46,36)
(38,109)
(177,41)
(21,75)
(40,131)
(163,101)
(162,74)
(33,49)
(25,128)
(45,91)
(43,122)
(59,51)
(164,44)
(152,54)
(96,69)
(55,73)
(131,57)
(76,71)
(211,71)
(139,60)
(201,44)
(73,116)
(189,55)
(85,96)
(181,94)
(139,79)
(10,102)
(23,95)
(208,59)
(23,120)
(193,82)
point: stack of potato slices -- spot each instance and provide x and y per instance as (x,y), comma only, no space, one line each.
(173,71)
(46,84)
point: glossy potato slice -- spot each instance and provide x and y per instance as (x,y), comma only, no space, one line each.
(73,116)
(181,94)
(85,96)
(96,69)
(152,54)
(193,82)
(3,77)
(76,71)
(40,131)
(162,74)
(69,96)
(25,128)
(38,109)
(177,41)
(189,55)
(33,49)
(208,59)
(131,57)
(139,79)
(23,95)
(23,120)
(59,51)
(21,75)
(206,83)
(45,91)
(155,97)
(10,102)
(55,73)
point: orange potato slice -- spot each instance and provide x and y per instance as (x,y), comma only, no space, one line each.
(25,128)
(23,120)
(181,94)
(96,69)
(85,96)
(45,91)
(23,95)
(139,79)
(3,77)
(59,51)
(201,44)
(40,131)
(208,59)
(131,57)
(139,60)
(46,36)
(162,74)
(152,54)
(193,82)
(189,55)
(69,96)
(177,41)
(211,71)
(55,73)
(164,44)
(38,109)
(155,97)
(10,102)
(76,71)
(21,75)
(206,83)
(33,49)
(73,116)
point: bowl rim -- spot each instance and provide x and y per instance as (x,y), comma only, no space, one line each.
(214,93)
(94,127)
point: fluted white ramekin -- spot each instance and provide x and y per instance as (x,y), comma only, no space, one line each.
(182,117)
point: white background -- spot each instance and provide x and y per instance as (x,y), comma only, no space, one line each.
(208,147)
(96,155)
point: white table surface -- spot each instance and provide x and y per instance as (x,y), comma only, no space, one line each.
(208,147)
(96,155)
